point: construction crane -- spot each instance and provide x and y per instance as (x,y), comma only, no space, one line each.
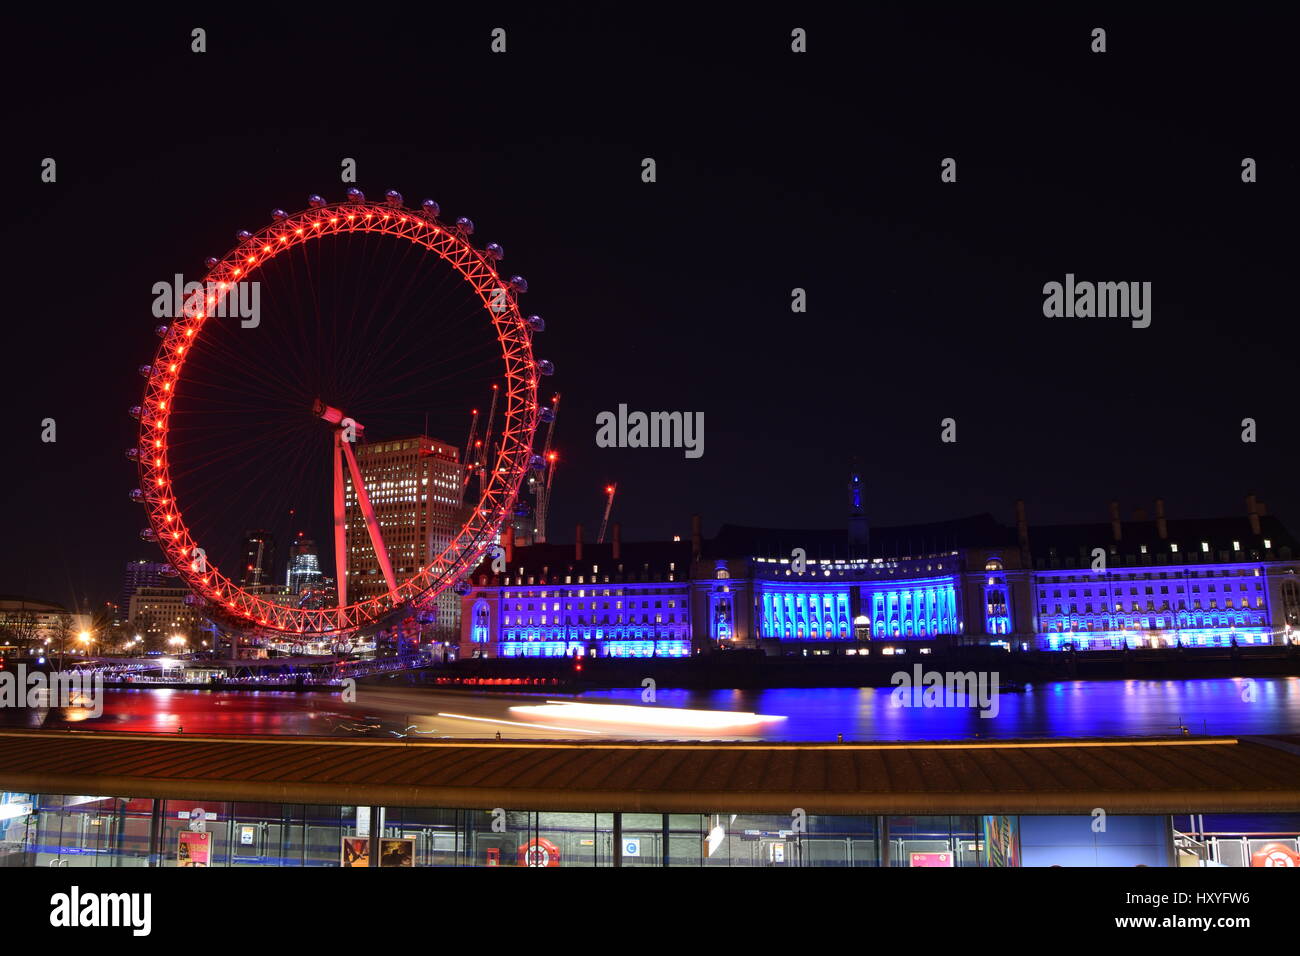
(542,488)
(469,446)
(487,440)
(609,506)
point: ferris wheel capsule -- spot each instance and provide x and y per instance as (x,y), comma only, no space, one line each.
(134,411)
(278,214)
(211,262)
(166,516)
(315,200)
(537,463)
(519,283)
(536,323)
(146,534)
(161,330)
(243,235)
(545,367)
(547,415)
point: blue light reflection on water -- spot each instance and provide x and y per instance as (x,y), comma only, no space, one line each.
(1053,709)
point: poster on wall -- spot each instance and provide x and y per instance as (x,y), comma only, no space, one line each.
(398,852)
(1001,841)
(193,848)
(354,852)
(930,859)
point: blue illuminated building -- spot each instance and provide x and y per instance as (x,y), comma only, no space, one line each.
(1213,582)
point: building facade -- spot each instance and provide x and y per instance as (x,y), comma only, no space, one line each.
(415,487)
(157,615)
(1141,583)
(257,550)
(29,627)
(303,572)
(142,574)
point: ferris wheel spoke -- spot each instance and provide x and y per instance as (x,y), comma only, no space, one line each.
(242,395)
(372,523)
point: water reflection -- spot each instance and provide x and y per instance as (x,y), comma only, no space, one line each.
(1056,709)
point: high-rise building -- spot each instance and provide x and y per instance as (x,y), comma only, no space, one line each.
(414,485)
(258,551)
(162,613)
(303,570)
(142,574)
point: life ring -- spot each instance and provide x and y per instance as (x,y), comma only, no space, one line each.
(1275,854)
(539,852)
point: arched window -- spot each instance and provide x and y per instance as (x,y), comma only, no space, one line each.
(479,627)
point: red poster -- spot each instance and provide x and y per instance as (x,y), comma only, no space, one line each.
(932,859)
(193,849)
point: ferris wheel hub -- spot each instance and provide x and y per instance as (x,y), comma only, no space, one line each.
(333,415)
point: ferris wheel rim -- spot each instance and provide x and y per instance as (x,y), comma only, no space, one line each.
(468,546)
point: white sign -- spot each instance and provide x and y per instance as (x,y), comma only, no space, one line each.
(198,820)
(246,836)
(631,847)
(363,821)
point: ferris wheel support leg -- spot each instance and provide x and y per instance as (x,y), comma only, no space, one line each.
(340,535)
(372,523)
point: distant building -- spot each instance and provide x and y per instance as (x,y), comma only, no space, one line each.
(1141,583)
(28,626)
(415,486)
(258,567)
(157,614)
(142,574)
(303,571)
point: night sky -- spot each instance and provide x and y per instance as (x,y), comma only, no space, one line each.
(775,170)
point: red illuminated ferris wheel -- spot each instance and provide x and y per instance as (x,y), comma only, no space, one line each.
(268,392)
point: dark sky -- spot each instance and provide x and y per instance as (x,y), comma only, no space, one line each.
(775,171)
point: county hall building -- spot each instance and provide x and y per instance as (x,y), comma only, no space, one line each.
(1143,582)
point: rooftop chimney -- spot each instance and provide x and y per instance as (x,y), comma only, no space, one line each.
(577,544)
(1261,509)
(696,538)
(1022,527)
(1162,526)
(617,543)
(1114,520)
(508,539)
(1252,513)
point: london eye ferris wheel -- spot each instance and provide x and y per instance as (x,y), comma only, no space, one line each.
(374,320)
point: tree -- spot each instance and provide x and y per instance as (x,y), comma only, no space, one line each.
(63,630)
(19,627)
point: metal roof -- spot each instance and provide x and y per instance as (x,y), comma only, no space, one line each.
(1060,776)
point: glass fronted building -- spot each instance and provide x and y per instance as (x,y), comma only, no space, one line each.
(335,802)
(46,830)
